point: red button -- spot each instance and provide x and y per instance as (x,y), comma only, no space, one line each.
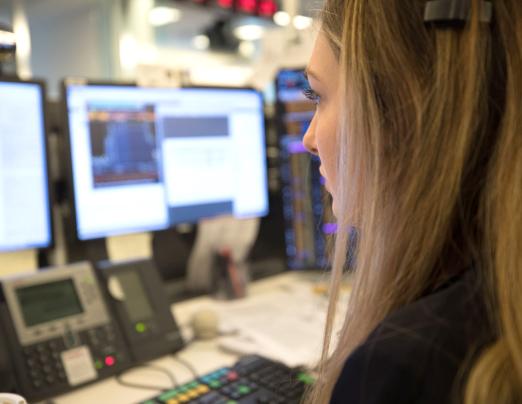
(110,360)
(232,376)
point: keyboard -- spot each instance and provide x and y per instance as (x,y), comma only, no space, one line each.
(252,380)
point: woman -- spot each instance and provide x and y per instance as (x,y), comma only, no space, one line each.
(419,130)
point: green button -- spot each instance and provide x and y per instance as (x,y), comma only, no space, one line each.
(215,384)
(232,402)
(141,327)
(193,385)
(97,364)
(244,390)
(306,379)
(168,395)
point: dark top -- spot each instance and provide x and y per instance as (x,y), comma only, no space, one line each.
(419,353)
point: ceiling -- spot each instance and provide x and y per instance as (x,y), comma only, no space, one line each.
(5,11)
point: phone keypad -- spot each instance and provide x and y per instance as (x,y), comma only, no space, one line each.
(44,363)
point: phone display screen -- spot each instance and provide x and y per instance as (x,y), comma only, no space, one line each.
(49,301)
(136,302)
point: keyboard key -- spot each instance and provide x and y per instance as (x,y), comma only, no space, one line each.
(192,394)
(244,390)
(183,398)
(202,389)
(211,398)
(232,376)
(215,384)
(168,395)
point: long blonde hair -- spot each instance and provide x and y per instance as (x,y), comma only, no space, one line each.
(430,164)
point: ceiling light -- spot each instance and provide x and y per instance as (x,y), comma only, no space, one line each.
(249,32)
(128,56)
(201,42)
(220,75)
(163,15)
(7,39)
(282,18)
(301,22)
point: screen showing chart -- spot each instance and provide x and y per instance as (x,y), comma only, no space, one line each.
(309,221)
(150,158)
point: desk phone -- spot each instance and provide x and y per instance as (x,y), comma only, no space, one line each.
(59,331)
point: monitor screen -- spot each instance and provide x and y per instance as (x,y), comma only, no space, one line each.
(149,158)
(309,222)
(25,220)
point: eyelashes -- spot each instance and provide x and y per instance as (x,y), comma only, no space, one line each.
(311,95)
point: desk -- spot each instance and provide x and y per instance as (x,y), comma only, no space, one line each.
(204,356)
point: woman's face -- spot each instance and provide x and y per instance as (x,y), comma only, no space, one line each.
(320,138)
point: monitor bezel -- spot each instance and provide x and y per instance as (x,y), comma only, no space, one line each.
(47,155)
(71,195)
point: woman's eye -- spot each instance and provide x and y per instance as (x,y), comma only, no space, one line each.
(312,95)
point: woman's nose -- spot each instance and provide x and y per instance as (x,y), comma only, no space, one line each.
(309,138)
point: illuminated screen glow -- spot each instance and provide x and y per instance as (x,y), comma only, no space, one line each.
(146,159)
(24,200)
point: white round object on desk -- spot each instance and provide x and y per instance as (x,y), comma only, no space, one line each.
(8,398)
(205,324)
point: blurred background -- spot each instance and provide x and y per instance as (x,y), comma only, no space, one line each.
(218,41)
(151,151)
(259,44)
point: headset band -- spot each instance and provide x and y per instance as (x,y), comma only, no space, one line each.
(455,11)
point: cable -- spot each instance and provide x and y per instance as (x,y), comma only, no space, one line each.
(169,374)
(187,365)
(137,385)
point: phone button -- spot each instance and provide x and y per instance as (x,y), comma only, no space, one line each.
(38,383)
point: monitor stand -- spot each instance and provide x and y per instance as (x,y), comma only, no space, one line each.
(43,258)
(171,250)
(90,250)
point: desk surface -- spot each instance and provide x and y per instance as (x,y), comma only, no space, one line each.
(204,356)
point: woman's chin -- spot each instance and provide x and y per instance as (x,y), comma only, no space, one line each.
(334,208)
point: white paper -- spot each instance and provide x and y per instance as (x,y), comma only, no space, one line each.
(78,365)
(286,324)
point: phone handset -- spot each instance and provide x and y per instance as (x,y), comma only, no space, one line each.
(7,376)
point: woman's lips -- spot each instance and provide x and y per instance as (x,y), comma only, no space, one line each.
(325,182)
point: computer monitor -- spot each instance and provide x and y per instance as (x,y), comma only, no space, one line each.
(25,208)
(145,159)
(309,222)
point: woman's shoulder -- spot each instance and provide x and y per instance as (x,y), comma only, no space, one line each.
(442,320)
(417,352)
